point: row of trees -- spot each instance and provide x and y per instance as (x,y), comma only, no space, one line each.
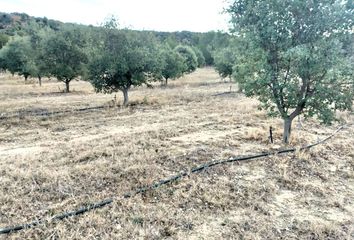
(295,56)
(109,58)
(21,24)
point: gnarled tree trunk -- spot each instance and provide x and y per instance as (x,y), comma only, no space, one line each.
(288,120)
(287,130)
(67,85)
(126,97)
(40,80)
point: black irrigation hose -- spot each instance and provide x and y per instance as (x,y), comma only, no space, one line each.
(223,93)
(45,113)
(57,217)
(200,168)
(50,113)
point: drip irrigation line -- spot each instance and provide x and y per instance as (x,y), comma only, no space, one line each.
(46,113)
(61,216)
(51,113)
(223,93)
(176,177)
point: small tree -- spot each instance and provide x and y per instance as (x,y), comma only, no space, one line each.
(224,60)
(37,35)
(200,57)
(16,57)
(64,56)
(172,64)
(293,57)
(190,59)
(125,59)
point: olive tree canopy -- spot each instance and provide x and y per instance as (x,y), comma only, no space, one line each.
(293,58)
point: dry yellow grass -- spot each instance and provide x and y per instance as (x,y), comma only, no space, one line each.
(59,162)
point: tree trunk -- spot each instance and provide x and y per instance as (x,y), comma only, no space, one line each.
(67,86)
(287,130)
(40,80)
(126,97)
(166,81)
(26,77)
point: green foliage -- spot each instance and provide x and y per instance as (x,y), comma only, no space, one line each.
(111,22)
(211,42)
(190,59)
(24,55)
(293,57)
(3,39)
(37,36)
(171,41)
(200,57)
(204,45)
(64,55)
(20,25)
(224,60)
(5,20)
(125,59)
(176,38)
(16,56)
(172,64)
(14,24)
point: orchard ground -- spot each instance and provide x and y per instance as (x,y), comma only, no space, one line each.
(58,162)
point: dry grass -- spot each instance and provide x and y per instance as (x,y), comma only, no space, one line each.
(56,163)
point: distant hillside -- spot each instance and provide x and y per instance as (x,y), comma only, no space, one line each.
(14,23)
(22,24)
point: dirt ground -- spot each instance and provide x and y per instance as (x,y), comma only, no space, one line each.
(54,158)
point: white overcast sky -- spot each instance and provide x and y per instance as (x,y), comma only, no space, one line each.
(160,15)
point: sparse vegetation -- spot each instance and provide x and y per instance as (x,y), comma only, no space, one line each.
(57,163)
(61,151)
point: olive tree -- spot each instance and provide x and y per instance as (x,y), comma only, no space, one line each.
(200,57)
(190,58)
(224,60)
(293,57)
(37,40)
(172,64)
(16,57)
(64,56)
(124,60)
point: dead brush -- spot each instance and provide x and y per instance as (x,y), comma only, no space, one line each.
(254,134)
(302,155)
(125,149)
(302,165)
(321,230)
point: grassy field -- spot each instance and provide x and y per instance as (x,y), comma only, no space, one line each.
(58,162)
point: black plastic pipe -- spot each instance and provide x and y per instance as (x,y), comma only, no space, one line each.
(200,168)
